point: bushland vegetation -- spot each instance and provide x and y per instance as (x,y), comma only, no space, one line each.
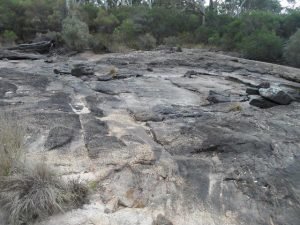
(257,29)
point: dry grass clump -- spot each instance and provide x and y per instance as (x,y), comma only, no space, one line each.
(235,108)
(11,143)
(79,193)
(32,194)
(113,71)
(29,193)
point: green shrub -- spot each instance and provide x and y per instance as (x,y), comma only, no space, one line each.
(101,43)
(186,38)
(88,13)
(262,45)
(75,34)
(146,42)
(171,41)
(118,47)
(203,33)
(9,36)
(233,35)
(35,193)
(126,35)
(290,23)
(105,22)
(259,20)
(292,50)
(215,40)
(127,31)
(109,43)
(11,139)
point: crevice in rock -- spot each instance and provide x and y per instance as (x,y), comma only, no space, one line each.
(191,73)
(293,79)
(112,93)
(237,80)
(184,87)
(154,136)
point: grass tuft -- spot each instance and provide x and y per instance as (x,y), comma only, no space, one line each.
(79,193)
(235,108)
(113,71)
(11,139)
(29,193)
(35,193)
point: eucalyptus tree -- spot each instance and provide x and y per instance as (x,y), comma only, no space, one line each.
(236,7)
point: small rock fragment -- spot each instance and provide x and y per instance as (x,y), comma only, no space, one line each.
(215,97)
(112,206)
(61,71)
(84,78)
(264,85)
(149,69)
(252,91)
(48,60)
(262,103)
(105,77)
(82,70)
(190,73)
(162,220)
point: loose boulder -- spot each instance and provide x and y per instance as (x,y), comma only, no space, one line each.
(252,91)
(218,97)
(80,70)
(215,97)
(276,95)
(262,103)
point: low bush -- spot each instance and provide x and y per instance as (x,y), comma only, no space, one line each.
(203,33)
(32,194)
(214,40)
(101,43)
(11,139)
(118,47)
(126,32)
(105,22)
(75,34)
(9,37)
(146,42)
(262,45)
(186,38)
(171,41)
(292,50)
(113,71)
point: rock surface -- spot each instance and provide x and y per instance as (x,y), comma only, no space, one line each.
(58,137)
(161,220)
(150,143)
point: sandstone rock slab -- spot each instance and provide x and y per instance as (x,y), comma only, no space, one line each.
(58,137)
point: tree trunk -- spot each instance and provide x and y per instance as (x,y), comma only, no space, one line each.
(13,55)
(39,47)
